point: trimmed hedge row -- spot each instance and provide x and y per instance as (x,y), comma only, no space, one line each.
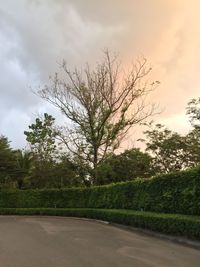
(182,225)
(171,193)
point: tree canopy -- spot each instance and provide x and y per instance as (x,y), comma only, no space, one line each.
(101,104)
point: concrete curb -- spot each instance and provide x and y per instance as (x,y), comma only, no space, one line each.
(176,239)
(88,219)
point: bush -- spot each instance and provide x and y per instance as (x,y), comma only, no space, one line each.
(170,193)
(183,225)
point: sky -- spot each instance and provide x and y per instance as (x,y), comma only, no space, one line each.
(35,35)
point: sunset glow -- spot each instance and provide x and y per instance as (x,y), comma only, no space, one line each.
(35,35)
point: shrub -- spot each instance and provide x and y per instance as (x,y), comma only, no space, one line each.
(182,225)
(170,193)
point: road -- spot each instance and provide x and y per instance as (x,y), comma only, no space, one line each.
(68,242)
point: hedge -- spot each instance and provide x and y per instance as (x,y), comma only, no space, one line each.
(182,225)
(171,193)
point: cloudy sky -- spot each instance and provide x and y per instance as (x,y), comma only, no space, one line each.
(37,34)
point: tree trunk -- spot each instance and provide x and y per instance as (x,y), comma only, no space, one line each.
(95,164)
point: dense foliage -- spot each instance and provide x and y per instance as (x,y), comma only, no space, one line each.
(170,150)
(126,166)
(24,169)
(49,164)
(169,193)
(8,168)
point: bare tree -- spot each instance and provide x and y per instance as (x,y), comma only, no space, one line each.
(101,104)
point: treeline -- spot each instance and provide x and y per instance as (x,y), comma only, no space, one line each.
(99,104)
(48,164)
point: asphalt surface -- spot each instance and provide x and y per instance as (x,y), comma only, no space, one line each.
(67,242)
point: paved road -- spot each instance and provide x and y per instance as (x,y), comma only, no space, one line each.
(66,242)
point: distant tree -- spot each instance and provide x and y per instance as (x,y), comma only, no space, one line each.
(24,168)
(172,151)
(193,146)
(83,170)
(64,173)
(42,138)
(126,166)
(193,137)
(169,149)
(193,111)
(49,169)
(102,105)
(7,163)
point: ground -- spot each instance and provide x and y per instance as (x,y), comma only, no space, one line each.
(68,242)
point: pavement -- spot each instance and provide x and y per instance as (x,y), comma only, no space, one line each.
(69,242)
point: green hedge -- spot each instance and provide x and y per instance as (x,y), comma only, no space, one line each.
(172,193)
(182,225)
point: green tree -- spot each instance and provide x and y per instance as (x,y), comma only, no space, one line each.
(42,138)
(126,166)
(169,149)
(172,151)
(193,137)
(7,163)
(64,173)
(193,146)
(49,169)
(102,105)
(193,111)
(24,168)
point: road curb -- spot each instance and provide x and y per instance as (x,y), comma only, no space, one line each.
(88,219)
(176,239)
